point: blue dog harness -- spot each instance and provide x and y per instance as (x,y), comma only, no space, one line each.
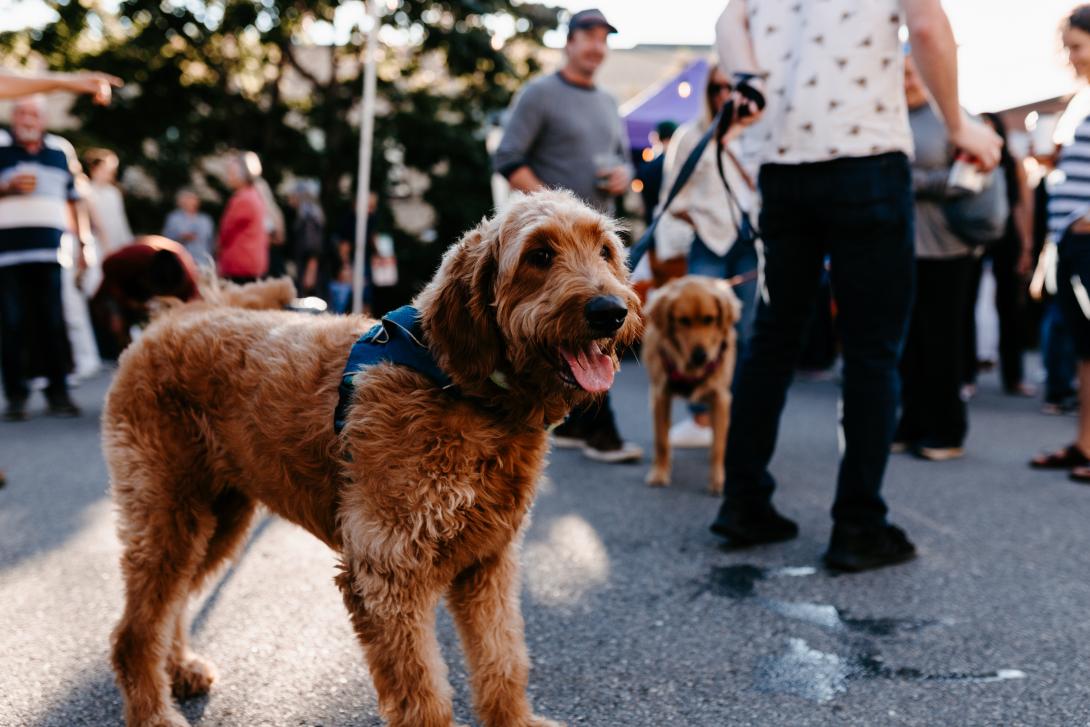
(399,339)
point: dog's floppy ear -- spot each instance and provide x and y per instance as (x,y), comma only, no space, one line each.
(728,303)
(456,310)
(657,309)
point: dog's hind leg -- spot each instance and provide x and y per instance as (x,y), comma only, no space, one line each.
(164,539)
(395,623)
(192,675)
(485,603)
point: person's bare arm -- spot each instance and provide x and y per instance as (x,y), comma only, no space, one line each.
(732,41)
(523,179)
(99,85)
(737,57)
(81,228)
(935,52)
(1023,220)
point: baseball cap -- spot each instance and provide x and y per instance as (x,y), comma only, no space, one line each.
(589,18)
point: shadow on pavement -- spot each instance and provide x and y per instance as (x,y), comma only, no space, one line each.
(55,472)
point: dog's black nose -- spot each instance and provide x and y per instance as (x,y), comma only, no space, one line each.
(698,357)
(605,313)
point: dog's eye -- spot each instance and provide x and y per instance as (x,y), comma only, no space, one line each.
(707,320)
(685,321)
(541,257)
(607,253)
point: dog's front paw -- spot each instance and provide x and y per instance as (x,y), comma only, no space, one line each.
(658,477)
(167,718)
(536,721)
(192,678)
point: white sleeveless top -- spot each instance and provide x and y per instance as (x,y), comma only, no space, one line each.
(836,83)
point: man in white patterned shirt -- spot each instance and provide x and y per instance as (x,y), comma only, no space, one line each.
(833,142)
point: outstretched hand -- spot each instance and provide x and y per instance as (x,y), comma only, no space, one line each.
(98,85)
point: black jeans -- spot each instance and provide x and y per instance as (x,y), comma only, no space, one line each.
(32,330)
(859,212)
(932,412)
(1011,301)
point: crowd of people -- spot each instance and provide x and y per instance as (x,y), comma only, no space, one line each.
(880,201)
(75,281)
(850,177)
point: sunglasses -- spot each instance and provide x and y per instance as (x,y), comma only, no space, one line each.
(717,87)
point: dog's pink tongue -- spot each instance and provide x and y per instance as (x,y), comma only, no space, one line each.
(592,369)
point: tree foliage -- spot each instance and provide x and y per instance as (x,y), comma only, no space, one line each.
(205,76)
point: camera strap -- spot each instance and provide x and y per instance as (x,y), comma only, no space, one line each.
(747,231)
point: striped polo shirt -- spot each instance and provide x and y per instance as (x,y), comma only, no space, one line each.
(31,225)
(1069,195)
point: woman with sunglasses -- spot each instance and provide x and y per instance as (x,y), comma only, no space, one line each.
(710,219)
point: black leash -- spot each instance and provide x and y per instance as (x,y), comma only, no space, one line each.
(747,232)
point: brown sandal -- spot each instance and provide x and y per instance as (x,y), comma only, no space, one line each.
(1065,459)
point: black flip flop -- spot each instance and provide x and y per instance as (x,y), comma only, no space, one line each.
(1080,475)
(1067,458)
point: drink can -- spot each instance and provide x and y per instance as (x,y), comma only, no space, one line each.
(965,175)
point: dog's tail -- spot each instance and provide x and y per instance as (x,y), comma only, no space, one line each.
(271,294)
(263,295)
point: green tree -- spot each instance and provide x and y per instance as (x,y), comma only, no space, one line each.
(205,76)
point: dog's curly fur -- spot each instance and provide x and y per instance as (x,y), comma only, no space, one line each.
(685,315)
(423,495)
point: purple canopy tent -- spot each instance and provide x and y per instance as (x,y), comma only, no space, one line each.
(679,100)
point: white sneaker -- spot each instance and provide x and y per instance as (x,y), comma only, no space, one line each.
(941,454)
(690,435)
(627,452)
(562,442)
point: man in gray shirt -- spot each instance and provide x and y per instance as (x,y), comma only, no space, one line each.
(563,131)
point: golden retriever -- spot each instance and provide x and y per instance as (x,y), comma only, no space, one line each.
(689,350)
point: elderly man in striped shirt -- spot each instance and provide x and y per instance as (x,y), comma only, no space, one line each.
(37,207)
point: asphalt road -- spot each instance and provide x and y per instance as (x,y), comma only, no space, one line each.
(634,614)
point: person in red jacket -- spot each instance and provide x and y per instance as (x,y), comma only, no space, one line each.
(243,242)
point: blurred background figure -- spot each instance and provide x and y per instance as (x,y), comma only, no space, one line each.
(37,208)
(717,242)
(307,235)
(934,421)
(191,227)
(1011,258)
(563,131)
(243,242)
(80,273)
(131,276)
(651,173)
(274,225)
(1057,350)
(379,267)
(106,203)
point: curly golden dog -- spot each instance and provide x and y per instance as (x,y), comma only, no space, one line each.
(689,350)
(424,492)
